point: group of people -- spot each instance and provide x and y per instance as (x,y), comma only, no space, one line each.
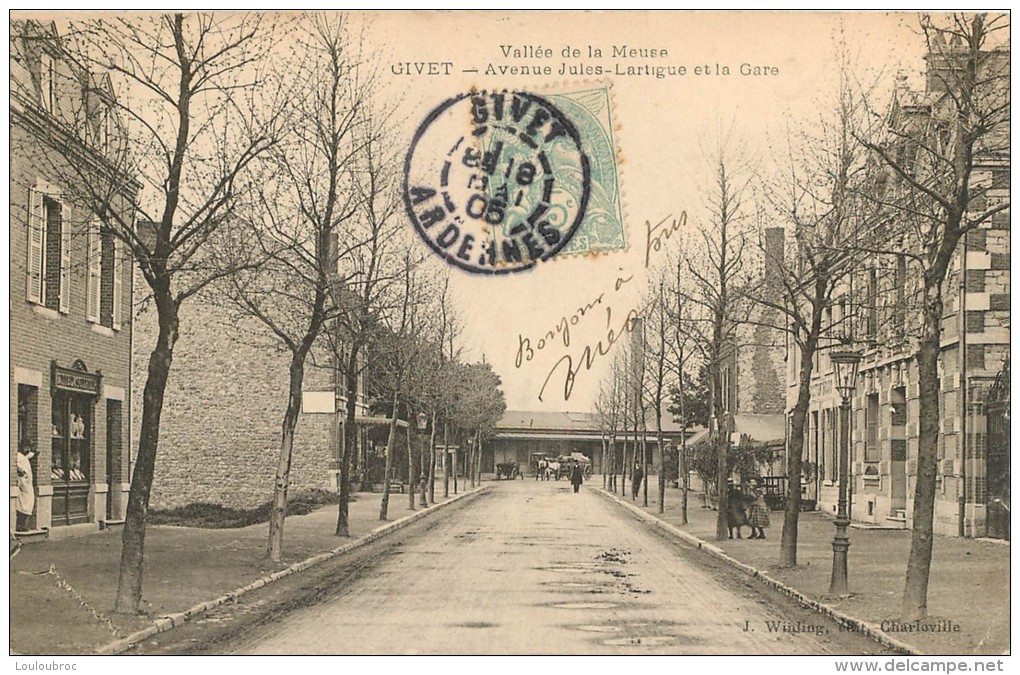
(747,509)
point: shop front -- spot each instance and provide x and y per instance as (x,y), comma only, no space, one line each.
(75,393)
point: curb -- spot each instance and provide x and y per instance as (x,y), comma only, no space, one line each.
(169,621)
(870,630)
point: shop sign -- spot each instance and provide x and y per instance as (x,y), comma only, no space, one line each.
(73,379)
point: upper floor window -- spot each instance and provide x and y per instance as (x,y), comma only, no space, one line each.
(49,253)
(105,274)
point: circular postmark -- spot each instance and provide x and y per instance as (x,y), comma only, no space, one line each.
(496,181)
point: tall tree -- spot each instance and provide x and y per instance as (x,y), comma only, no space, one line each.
(608,413)
(402,347)
(658,373)
(814,193)
(718,270)
(306,201)
(689,403)
(189,99)
(941,152)
(371,268)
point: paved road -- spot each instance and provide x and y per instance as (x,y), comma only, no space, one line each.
(533,568)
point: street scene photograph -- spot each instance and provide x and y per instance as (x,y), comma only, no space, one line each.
(506,333)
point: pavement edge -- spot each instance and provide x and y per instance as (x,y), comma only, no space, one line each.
(870,630)
(170,621)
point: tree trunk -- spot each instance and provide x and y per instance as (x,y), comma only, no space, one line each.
(274,549)
(432,459)
(412,475)
(612,463)
(624,465)
(343,528)
(915,593)
(605,456)
(685,479)
(478,458)
(446,462)
(132,555)
(387,474)
(662,464)
(795,453)
(722,442)
(644,465)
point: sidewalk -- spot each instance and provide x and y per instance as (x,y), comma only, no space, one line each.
(969,583)
(62,591)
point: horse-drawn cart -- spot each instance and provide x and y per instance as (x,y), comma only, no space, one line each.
(508,470)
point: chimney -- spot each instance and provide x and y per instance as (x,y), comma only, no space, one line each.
(775,250)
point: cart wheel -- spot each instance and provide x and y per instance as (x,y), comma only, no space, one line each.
(587,472)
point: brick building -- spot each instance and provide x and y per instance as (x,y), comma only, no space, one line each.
(70,290)
(973,470)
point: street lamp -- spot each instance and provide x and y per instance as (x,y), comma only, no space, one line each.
(422,422)
(844,364)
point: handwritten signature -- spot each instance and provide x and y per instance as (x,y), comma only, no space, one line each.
(590,353)
(662,232)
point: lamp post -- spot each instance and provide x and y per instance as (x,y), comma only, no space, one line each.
(422,424)
(844,363)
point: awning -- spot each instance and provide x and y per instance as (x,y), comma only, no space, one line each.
(373,420)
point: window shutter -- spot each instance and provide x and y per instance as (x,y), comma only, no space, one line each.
(95,276)
(65,266)
(118,271)
(36,245)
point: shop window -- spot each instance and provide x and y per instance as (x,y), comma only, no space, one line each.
(71,461)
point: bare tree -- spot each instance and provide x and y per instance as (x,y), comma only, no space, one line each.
(815,194)
(306,201)
(189,100)
(403,346)
(370,269)
(680,353)
(658,372)
(608,412)
(941,153)
(718,302)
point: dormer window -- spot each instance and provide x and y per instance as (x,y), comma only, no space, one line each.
(47,77)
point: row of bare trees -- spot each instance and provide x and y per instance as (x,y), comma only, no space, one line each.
(848,191)
(261,174)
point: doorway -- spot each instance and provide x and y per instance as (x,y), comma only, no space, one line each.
(71,458)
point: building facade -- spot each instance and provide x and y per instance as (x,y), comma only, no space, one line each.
(523,435)
(223,412)
(70,292)
(972,496)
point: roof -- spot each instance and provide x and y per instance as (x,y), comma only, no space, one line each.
(522,423)
(761,428)
(766,429)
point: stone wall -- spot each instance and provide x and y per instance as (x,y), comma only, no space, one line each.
(223,412)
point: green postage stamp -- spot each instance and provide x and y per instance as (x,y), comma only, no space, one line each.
(495,182)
